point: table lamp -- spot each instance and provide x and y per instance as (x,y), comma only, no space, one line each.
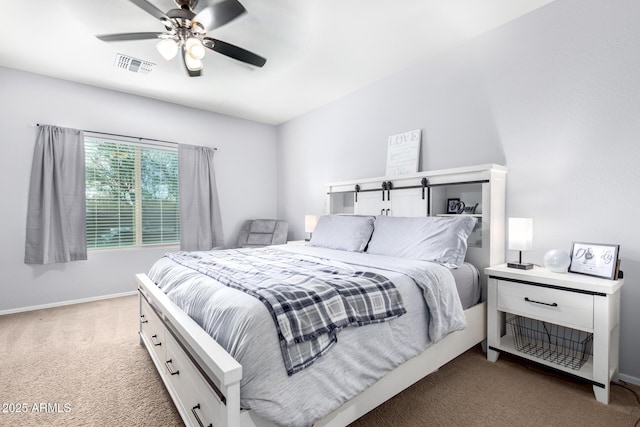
(520,239)
(310,222)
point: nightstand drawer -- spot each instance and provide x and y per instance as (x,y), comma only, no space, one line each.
(551,305)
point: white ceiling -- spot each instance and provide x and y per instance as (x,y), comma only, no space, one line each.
(316,50)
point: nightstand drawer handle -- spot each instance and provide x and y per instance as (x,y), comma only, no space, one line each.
(539,302)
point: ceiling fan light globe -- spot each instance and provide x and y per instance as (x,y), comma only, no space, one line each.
(197,51)
(194,47)
(168,48)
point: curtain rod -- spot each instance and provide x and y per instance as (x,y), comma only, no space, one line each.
(125,136)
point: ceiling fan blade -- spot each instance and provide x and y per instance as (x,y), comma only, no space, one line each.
(193,73)
(151,10)
(234,52)
(215,15)
(121,37)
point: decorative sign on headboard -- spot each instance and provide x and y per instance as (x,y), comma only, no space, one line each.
(403,153)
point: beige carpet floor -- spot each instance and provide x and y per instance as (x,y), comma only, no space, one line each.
(82,365)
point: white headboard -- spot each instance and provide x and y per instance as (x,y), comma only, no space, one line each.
(480,188)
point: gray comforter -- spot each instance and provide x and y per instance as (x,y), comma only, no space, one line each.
(362,355)
(308,300)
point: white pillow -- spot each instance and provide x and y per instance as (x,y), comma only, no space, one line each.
(439,239)
(343,232)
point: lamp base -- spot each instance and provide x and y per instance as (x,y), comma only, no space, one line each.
(520,265)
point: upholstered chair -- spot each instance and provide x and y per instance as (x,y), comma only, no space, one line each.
(262,232)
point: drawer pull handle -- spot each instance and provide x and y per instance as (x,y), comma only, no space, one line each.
(540,302)
(153,340)
(195,414)
(142,319)
(171,371)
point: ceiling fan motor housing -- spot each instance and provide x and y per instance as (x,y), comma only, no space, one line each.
(181,14)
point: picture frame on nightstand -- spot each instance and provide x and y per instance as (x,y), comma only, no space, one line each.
(595,259)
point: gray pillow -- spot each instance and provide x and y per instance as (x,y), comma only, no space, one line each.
(343,232)
(439,239)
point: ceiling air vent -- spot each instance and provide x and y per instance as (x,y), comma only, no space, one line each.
(125,62)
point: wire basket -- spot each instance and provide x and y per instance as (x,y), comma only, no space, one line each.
(557,344)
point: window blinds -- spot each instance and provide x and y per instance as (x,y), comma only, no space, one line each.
(131,193)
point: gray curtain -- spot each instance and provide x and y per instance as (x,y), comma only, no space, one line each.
(56,215)
(200,222)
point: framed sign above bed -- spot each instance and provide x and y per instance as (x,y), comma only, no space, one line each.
(403,153)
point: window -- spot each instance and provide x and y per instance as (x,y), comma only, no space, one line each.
(132,193)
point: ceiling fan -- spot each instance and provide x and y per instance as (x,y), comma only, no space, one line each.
(186,31)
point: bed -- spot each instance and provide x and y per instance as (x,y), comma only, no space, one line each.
(221,352)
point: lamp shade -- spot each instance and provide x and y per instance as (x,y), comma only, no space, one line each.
(520,234)
(310,222)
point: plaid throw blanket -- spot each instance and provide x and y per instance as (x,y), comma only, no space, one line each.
(309,301)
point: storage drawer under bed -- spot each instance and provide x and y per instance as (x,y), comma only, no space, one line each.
(198,400)
(152,328)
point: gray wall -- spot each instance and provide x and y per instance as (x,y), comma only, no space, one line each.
(245,169)
(554,96)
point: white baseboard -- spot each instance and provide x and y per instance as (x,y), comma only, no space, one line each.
(75,301)
(629,379)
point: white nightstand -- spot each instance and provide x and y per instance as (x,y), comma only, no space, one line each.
(298,242)
(551,318)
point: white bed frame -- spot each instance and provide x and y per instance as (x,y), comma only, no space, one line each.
(204,380)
